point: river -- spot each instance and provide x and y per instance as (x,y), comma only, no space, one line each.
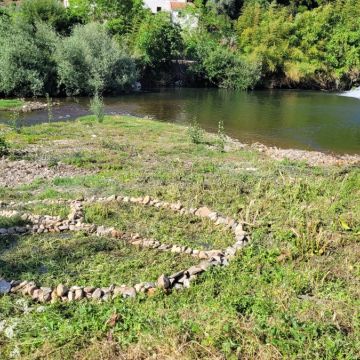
(284,118)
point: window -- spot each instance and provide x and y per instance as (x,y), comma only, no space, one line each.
(158,9)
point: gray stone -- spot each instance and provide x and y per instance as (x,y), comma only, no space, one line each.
(230,251)
(203,212)
(97,294)
(89,289)
(61,290)
(36,294)
(193,270)
(221,221)
(138,287)
(45,294)
(177,275)
(146,200)
(164,247)
(5,287)
(129,292)
(239,230)
(186,283)
(176,249)
(79,294)
(213,216)
(71,295)
(163,282)
(149,285)
(106,297)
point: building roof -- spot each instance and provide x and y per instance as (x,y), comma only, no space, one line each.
(177,5)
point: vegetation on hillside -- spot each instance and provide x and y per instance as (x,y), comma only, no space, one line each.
(237,44)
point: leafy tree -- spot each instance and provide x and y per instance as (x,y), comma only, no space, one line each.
(225,68)
(91,61)
(313,48)
(118,15)
(158,40)
(51,12)
(230,8)
(27,66)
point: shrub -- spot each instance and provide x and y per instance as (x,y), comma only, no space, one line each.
(50,11)
(97,107)
(225,68)
(90,61)
(312,48)
(158,40)
(221,136)
(15,121)
(4,147)
(27,67)
(195,132)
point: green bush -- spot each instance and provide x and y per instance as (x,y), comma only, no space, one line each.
(97,107)
(195,132)
(50,11)
(90,60)
(158,40)
(4,147)
(313,48)
(27,67)
(221,136)
(223,67)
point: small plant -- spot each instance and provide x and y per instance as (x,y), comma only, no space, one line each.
(4,147)
(195,132)
(15,121)
(49,108)
(53,162)
(97,107)
(221,135)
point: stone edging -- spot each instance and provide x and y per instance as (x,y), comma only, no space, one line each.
(75,222)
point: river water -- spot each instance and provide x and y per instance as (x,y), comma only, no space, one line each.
(287,119)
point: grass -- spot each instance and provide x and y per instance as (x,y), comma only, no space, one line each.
(161,225)
(85,261)
(293,293)
(10,104)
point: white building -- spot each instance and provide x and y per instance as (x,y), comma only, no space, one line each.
(165,5)
(175,8)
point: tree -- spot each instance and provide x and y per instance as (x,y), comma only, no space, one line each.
(231,8)
(158,41)
(52,12)
(27,66)
(91,61)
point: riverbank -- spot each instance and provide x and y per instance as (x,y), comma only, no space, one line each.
(22,106)
(292,292)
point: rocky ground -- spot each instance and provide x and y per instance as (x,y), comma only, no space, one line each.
(313,158)
(18,172)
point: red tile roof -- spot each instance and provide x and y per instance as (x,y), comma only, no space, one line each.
(176,5)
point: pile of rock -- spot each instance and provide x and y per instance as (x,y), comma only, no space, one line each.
(63,293)
(35,105)
(75,222)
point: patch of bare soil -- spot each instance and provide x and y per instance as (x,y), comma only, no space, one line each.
(14,173)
